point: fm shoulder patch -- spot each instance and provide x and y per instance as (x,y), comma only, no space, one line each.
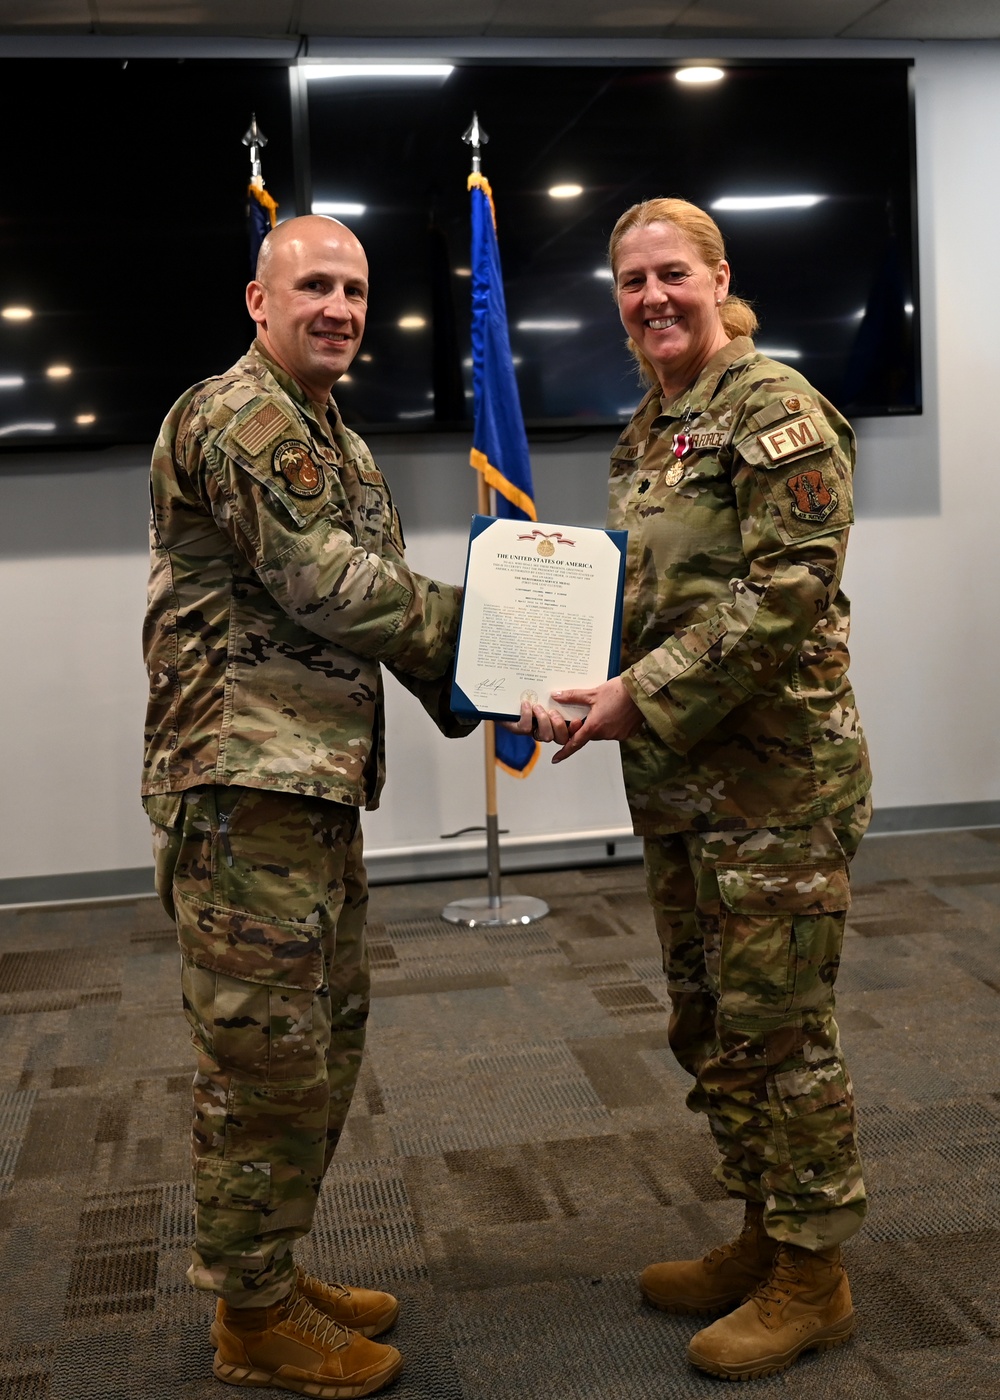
(798,435)
(302,475)
(261,428)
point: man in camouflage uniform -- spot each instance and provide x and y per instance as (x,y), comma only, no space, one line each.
(747,774)
(278,586)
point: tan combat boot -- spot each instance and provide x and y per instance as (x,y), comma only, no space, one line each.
(720,1280)
(364,1310)
(805,1305)
(293,1346)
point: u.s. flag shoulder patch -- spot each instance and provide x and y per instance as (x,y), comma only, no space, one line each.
(261,428)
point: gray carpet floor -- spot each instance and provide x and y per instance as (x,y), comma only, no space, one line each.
(517,1149)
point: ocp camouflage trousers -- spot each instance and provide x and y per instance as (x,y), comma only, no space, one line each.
(269,894)
(751,924)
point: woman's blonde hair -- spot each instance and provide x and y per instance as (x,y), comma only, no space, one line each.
(701,230)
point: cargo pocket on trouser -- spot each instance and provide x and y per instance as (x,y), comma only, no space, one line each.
(780,930)
(780,937)
(815,1193)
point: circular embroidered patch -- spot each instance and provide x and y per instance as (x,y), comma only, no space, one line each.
(291,460)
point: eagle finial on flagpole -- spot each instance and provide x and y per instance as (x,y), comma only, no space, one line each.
(262,207)
(256,140)
(475,136)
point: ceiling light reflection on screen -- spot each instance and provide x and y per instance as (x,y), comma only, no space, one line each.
(417,413)
(565,191)
(17,313)
(10,428)
(11,381)
(333,208)
(84,420)
(908,308)
(604,273)
(779,353)
(463,271)
(548,325)
(699,74)
(754,203)
(323,71)
(411,323)
(58,372)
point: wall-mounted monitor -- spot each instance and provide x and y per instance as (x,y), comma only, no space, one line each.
(125,233)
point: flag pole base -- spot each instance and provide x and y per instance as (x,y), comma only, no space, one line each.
(485,912)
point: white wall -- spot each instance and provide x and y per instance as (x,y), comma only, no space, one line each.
(920,574)
(924,584)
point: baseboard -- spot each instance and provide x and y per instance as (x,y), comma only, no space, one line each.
(455,860)
(938,816)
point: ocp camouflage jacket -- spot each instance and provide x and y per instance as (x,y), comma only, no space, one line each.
(737,498)
(277,586)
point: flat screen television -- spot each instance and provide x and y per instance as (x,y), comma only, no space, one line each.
(125,233)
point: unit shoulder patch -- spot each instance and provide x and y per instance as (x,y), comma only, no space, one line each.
(260,428)
(302,475)
(812,498)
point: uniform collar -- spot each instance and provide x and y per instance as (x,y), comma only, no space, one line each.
(696,399)
(327,424)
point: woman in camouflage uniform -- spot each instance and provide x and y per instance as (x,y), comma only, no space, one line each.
(746,772)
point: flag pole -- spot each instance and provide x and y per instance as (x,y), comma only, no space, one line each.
(493,910)
(262,208)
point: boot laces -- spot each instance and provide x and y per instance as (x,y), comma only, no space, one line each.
(725,1251)
(722,1252)
(777,1288)
(316,1285)
(310,1322)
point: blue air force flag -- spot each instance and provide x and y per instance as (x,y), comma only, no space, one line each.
(499,442)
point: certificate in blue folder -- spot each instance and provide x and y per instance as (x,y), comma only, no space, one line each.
(542,611)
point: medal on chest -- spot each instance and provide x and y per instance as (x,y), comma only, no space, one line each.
(680,446)
(675,471)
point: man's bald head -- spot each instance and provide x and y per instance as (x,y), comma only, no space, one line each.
(309,299)
(306,230)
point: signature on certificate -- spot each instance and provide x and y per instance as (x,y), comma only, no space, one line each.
(490,685)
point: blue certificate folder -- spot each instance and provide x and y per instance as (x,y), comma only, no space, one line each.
(461,704)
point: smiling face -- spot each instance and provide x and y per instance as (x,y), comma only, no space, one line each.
(310,299)
(668,300)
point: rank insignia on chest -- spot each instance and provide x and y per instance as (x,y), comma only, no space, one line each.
(813,499)
(292,461)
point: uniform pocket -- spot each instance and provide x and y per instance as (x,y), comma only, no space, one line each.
(780,934)
(266,1034)
(814,1108)
(232,1185)
(269,952)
